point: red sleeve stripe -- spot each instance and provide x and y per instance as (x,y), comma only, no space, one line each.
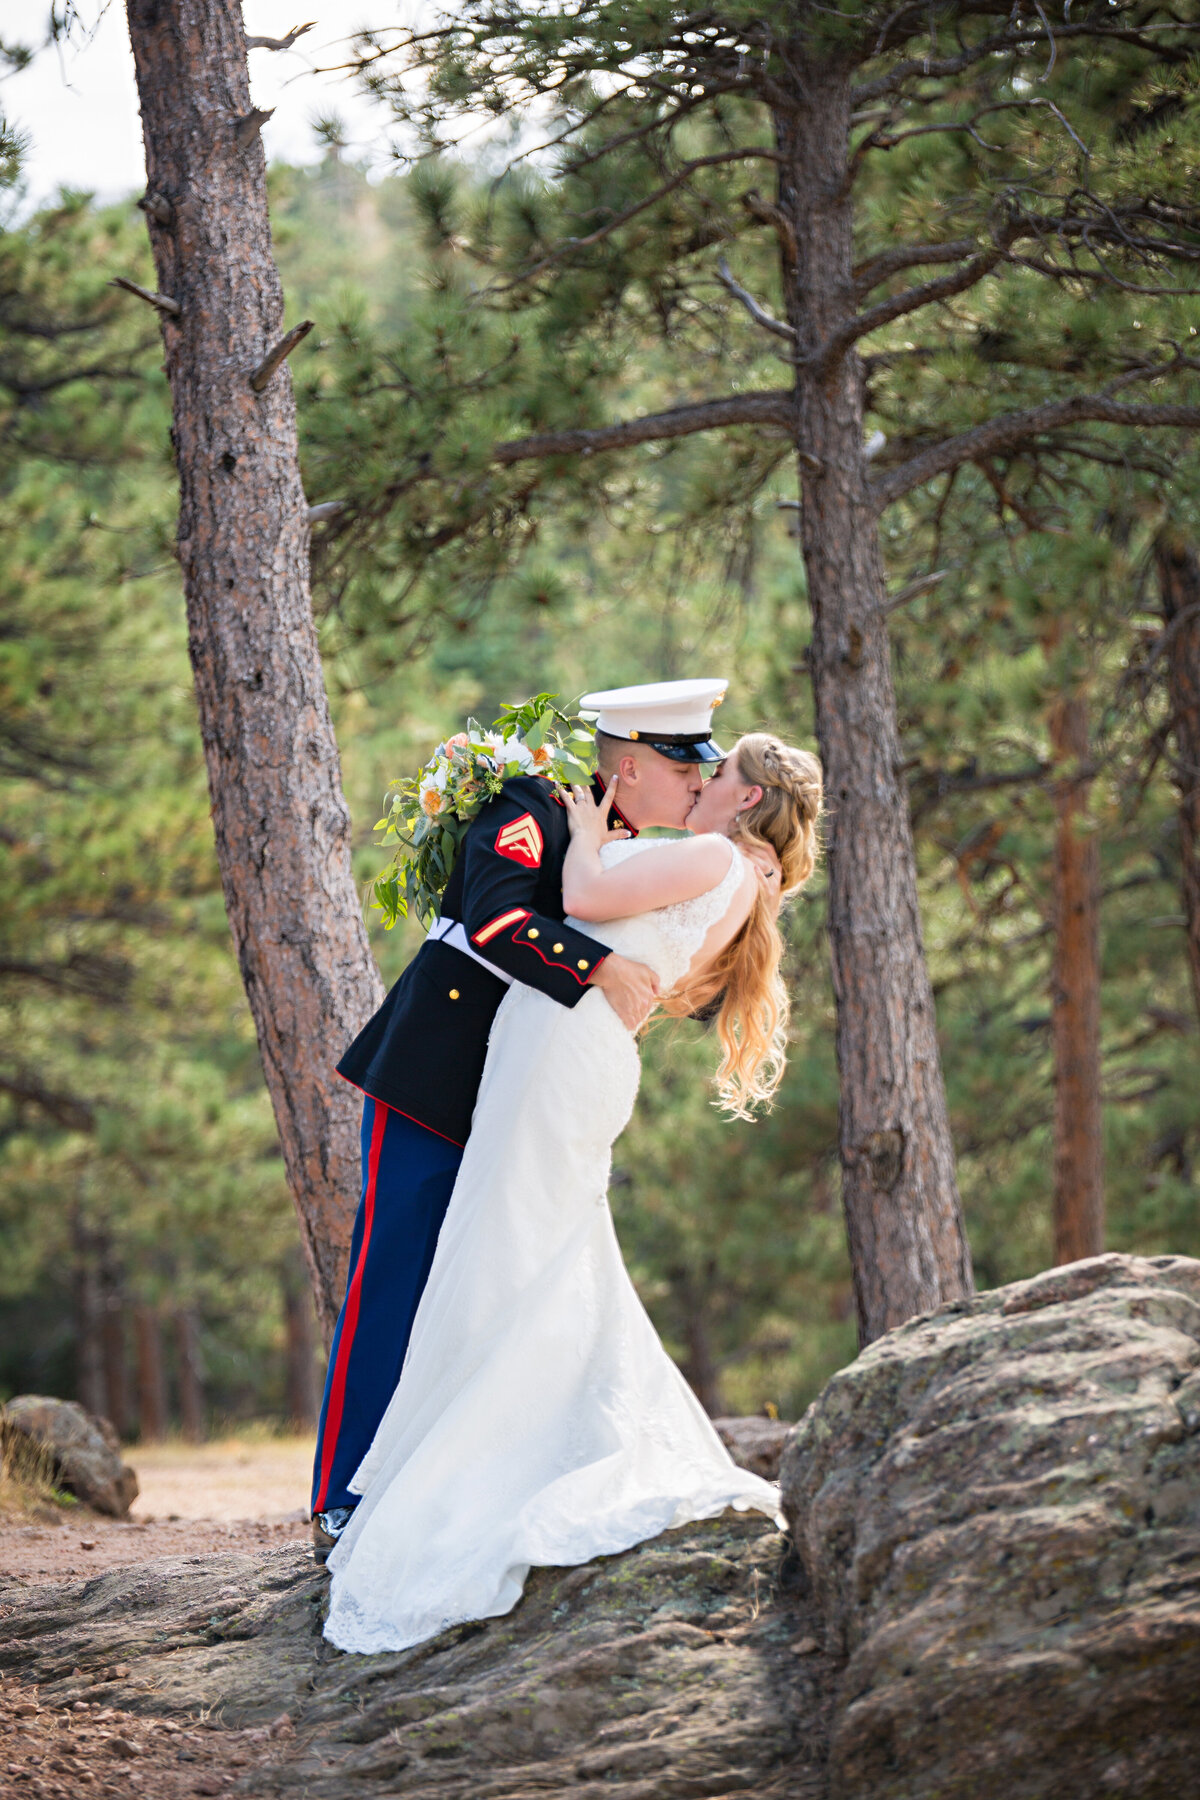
(486,933)
(553,963)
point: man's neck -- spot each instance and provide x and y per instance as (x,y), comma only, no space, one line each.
(629,825)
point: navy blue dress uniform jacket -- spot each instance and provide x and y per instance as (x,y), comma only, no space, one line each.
(423,1052)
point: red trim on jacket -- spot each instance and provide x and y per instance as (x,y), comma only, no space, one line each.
(524,944)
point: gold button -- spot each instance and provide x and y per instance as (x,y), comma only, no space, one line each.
(582,964)
(533,931)
(454,993)
(558,949)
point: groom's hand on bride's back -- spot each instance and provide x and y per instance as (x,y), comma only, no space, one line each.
(630,988)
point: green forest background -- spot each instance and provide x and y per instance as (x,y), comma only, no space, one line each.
(140,1178)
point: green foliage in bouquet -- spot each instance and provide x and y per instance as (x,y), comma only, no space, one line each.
(428,813)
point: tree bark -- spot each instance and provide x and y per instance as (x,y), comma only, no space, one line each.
(89,1346)
(1075,996)
(907,1242)
(1179,590)
(151,1376)
(281,822)
(699,1367)
(191,1376)
(302,1398)
(112,1334)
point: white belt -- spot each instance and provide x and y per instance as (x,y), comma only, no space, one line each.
(451,932)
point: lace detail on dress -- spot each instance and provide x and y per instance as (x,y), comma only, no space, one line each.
(669,937)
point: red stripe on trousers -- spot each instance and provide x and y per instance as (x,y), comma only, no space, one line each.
(337,1389)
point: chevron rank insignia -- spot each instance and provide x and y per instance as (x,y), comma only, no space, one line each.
(521,840)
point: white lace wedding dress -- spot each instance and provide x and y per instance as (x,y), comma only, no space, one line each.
(538,1419)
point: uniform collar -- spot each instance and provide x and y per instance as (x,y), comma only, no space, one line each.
(598,789)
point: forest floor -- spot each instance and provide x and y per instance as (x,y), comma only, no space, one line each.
(243,1493)
(237,1493)
(181,1653)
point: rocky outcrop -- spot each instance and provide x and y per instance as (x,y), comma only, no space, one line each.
(997,1597)
(998,1509)
(684,1667)
(84,1450)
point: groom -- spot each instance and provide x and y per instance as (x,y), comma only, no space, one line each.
(419,1060)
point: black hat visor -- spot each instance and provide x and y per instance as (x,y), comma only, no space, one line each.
(684,748)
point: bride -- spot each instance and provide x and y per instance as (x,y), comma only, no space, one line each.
(538,1419)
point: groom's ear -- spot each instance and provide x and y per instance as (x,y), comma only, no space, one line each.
(627,769)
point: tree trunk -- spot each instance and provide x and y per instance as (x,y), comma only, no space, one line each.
(89,1347)
(908,1247)
(1179,588)
(700,1365)
(301,1349)
(151,1376)
(112,1335)
(191,1376)
(281,822)
(1075,997)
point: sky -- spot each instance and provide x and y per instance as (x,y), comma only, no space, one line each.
(78,106)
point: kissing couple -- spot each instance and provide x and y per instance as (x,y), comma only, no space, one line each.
(497,1397)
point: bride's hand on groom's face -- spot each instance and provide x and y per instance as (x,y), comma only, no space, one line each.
(592,820)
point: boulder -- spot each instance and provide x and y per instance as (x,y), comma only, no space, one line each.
(682,1668)
(85,1450)
(998,1509)
(754,1443)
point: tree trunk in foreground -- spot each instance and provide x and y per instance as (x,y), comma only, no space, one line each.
(281,821)
(1075,998)
(1179,587)
(908,1247)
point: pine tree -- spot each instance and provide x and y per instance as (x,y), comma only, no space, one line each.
(281,821)
(1024,157)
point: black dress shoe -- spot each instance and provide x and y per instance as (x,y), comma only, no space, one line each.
(327,1528)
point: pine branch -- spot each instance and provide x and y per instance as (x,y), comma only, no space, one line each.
(879,268)
(1017,430)
(1022,37)
(163,302)
(758,313)
(570,245)
(912,299)
(67,1110)
(283,43)
(772,407)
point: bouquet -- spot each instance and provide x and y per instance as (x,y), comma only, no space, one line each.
(428,813)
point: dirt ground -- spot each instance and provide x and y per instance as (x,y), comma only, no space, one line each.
(227,1495)
(238,1493)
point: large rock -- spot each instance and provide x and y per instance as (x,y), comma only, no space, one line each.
(84,1450)
(998,1508)
(662,1674)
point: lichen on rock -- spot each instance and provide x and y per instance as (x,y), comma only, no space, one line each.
(998,1507)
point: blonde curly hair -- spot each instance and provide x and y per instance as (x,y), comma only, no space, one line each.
(744,977)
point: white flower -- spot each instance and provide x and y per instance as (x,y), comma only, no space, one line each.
(492,748)
(431,786)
